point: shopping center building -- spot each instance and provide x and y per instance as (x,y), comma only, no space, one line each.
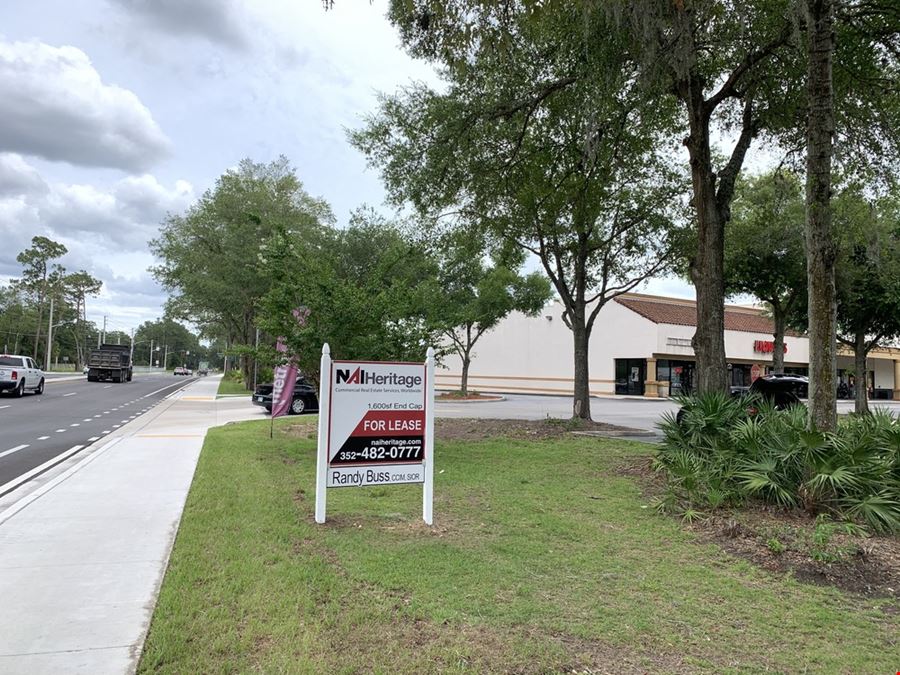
(641,346)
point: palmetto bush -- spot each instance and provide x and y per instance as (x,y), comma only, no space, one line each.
(717,453)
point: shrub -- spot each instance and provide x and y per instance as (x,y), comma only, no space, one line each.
(715,453)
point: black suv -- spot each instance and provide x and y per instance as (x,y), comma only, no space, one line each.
(781,389)
(305,398)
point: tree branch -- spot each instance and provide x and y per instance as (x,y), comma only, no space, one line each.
(729,88)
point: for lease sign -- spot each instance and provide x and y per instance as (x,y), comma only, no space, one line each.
(376,423)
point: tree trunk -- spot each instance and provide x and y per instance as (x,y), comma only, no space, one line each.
(464,379)
(778,350)
(820,246)
(862,380)
(707,268)
(581,404)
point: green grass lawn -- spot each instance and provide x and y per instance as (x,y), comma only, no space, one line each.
(543,558)
(227,386)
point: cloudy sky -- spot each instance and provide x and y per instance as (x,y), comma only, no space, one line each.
(115,112)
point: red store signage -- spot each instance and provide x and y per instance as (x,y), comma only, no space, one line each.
(766,346)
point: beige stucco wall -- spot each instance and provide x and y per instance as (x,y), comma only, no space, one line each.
(534,354)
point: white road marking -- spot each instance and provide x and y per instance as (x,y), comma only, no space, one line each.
(59,431)
(106,412)
(169,386)
(18,480)
(12,450)
(113,408)
(116,426)
(3,406)
(105,431)
(107,386)
(96,416)
(71,393)
(87,419)
(43,438)
(94,438)
(76,424)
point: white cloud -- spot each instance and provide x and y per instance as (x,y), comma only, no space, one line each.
(218,21)
(53,104)
(105,228)
(18,178)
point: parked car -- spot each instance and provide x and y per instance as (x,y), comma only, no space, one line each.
(305,398)
(179,371)
(19,374)
(782,390)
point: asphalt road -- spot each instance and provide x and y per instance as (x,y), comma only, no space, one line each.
(38,431)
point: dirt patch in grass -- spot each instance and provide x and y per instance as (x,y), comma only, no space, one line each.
(471,396)
(466,429)
(301,430)
(784,542)
(787,541)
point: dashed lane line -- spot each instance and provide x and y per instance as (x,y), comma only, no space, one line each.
(71,393)
(94,438)
(43,438)
(60,431)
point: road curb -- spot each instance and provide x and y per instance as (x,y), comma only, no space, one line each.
(31,497)
(81,458)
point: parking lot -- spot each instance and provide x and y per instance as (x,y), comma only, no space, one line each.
(642,414)
(635,413)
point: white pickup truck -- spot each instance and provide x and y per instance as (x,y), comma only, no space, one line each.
(18,373)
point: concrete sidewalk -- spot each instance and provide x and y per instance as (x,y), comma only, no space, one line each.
(82,557)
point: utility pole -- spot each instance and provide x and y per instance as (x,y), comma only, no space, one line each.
(49,335)
(166,358)
(150,358)
(131,354)
(103,338)
(256,360)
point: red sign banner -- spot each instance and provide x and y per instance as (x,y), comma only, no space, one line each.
(766,346)
(283,388)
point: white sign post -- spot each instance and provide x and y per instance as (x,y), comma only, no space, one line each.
(376,427)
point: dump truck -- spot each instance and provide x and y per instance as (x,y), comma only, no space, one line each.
(110,362)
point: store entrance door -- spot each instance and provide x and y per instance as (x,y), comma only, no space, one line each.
(630,376)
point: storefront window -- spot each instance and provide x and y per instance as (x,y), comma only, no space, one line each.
(679,375)
(739,375)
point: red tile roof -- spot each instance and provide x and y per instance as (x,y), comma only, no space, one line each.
(684,313)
